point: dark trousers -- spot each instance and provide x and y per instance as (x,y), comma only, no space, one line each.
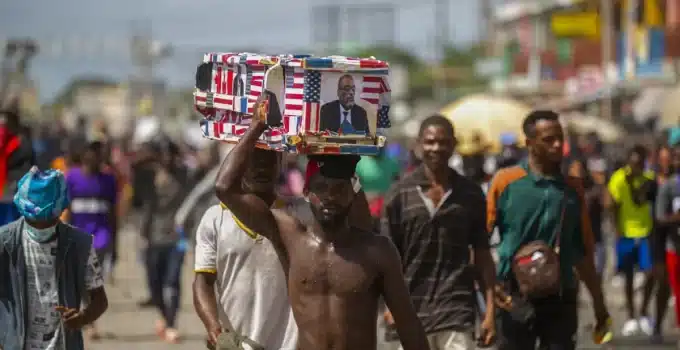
(554,324)
(164,270)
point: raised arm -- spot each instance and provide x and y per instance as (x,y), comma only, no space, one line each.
(250,209)
(398,300)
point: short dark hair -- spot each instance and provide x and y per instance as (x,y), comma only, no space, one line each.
(436,120)
(638,150)
(529,124)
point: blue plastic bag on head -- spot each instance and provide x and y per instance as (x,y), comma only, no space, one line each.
(41,195)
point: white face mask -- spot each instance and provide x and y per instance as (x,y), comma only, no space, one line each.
(41,235)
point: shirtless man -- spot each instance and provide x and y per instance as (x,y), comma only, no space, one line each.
(336,273)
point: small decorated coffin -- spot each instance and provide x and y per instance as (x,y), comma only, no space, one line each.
(317,105)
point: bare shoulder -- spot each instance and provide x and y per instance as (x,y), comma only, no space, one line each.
(287,223)
(378,245)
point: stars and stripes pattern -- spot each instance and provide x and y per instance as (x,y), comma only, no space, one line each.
(293,99)
(383,117)
(311,100)
(372,89)
(233,131)
(238,81)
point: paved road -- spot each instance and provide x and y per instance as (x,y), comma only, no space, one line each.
(125,326)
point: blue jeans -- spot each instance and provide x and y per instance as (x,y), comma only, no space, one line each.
(164,272)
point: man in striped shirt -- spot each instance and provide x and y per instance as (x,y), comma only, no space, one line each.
(436,217)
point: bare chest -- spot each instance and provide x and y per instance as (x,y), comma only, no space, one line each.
(327,269)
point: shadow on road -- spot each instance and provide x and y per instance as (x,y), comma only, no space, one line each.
(142,338)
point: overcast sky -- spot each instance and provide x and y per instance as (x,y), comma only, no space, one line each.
(193,25)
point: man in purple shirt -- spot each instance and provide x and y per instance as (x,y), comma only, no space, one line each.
(93,202)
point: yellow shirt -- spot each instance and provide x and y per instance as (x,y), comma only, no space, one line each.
(634,220)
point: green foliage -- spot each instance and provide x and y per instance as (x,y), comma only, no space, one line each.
(465,57)
(421,79)
(419,76)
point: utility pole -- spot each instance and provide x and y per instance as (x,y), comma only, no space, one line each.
(606,30)
(16,71)
(442,29)
(487,26)
(146,54)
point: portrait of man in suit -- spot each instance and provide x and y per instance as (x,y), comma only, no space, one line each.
(343,115)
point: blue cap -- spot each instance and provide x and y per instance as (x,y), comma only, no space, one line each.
(42,195)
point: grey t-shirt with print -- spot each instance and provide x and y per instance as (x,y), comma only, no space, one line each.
(44,326)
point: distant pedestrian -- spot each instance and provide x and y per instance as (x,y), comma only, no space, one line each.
(165,244)
(94,196)
(632,190)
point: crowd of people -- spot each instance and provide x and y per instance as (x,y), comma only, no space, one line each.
(452,250)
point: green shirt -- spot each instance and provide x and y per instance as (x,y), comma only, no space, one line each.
(377,173)
(526,207)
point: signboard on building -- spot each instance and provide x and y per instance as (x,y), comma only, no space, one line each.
(575,24)
(589,83)
(641,54)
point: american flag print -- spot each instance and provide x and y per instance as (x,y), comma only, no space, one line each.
(295,83)
(254,86)
(383,117)
(312,100)
(293,99)
(372,88)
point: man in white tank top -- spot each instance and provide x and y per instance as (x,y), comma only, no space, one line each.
(245,271)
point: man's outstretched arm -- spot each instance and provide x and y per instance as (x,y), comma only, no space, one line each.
(252,211)
(398,300)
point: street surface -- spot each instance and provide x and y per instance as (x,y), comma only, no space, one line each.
(126,326)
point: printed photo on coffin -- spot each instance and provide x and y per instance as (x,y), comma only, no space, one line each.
(343,108)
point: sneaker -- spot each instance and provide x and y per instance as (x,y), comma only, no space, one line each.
(630,327)
(646,325)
